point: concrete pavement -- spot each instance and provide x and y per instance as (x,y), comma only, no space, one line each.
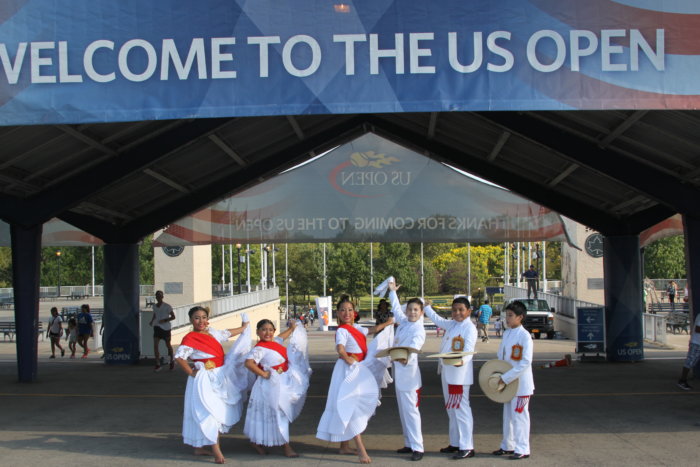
(83,412)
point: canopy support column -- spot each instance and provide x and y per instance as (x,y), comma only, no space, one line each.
(121,299)
(26,268)
(622,266)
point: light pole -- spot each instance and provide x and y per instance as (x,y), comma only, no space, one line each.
(268,249)
(58,255)
(248,252)
(238,247)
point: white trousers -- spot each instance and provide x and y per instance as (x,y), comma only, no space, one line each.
(461,420)
(516,427)
(410,419)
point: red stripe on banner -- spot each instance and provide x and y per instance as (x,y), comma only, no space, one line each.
(668,228)
(682,30)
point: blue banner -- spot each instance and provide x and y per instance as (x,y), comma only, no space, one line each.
(590,330)
(72,61)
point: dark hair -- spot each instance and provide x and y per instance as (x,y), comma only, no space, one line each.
(197,308)
(486,302)
(382,302)
(517,307)
(158,292)
(415,300)
(463,300)
(85,306)
(344,298)
(53,308)
(263,322)
(72,321)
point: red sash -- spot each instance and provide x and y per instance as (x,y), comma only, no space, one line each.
(207,344)
(280,349)
(359,338)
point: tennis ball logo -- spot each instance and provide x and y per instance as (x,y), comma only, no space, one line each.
(371,159)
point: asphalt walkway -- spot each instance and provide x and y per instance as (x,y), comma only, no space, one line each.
(81,412)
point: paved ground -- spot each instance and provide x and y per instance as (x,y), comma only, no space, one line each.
(83,412)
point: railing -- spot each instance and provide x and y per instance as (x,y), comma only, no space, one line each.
(73,291)
(564,306)
(220,306)
(655,328)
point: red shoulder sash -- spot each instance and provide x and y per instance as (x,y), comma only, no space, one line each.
(207,344)
(280,349)
(358,336)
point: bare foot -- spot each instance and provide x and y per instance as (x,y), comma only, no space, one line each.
(346,449)
(203,452)
(220,460)
(365,459)
(289,452)
(260,450)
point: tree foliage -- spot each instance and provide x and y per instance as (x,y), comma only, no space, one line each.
(665,258)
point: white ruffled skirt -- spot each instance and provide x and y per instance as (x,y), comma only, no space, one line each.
(212,406)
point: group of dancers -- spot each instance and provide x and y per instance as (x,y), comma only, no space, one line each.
(277,378)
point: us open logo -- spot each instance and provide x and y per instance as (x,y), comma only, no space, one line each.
(365,175)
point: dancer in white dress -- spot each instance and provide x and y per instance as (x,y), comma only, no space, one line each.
(213,401)
(353,395)
(407,379)
(279,391)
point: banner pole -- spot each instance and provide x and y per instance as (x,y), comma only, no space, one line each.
(422,273)
(286,281)
(230,269)
(469,269)
(324,270)
(371,280)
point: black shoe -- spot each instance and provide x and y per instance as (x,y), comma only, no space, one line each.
(449,449)
(502,452)
(517,457)
(684,385)
(417,455)
(464,453)
(404,450)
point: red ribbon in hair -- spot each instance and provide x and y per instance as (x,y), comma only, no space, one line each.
(359,338)
(207,344)
(280,349)
(454,397)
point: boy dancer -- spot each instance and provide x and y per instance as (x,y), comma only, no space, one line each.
(516,349)
(407,379)
(460,336)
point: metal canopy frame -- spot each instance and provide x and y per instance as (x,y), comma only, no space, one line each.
(618,172)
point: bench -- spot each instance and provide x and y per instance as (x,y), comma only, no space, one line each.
(68,312)
(150,301)
(667,308)
(677,321)
(78,295)
(8,330)
(7,302)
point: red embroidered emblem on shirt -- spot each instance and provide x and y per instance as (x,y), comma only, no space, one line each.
(516,352)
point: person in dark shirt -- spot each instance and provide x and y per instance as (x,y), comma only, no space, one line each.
(532,278)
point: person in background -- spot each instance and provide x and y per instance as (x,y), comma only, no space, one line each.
(693,355)
(72,335)
(482,325)
(671,290)
(163,314)
(498,326)
(532,278)
(84,328)
(54,332)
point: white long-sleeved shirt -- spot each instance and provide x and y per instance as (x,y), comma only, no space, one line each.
(408,334)
(516,348)
(466,330)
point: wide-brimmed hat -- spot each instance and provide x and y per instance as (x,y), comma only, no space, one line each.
(489,377)
(396,353)
(451,358)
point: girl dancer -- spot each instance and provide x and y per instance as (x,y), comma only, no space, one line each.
(353,394)
(279,392)
(407,379)
(460,336)
(212,400)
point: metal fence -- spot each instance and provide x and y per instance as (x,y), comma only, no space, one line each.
(564,306)
(220,306)
(655,328)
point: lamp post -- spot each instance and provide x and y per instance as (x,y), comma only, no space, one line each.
(248,252)
(268,249)
(58,255)
(238,247)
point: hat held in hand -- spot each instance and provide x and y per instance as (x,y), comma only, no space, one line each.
(451,358)
(396,353)
(490,381)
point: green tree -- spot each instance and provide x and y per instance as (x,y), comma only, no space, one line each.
(5,267)
(348,269)
(665,258)
(305,270)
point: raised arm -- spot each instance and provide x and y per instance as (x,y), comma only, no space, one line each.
(435,318)
(237,331)
(288,332)
(396,309)
(379,327)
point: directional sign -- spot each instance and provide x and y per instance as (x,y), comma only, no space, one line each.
(590,330)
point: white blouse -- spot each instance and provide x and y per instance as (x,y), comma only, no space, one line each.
(184,352)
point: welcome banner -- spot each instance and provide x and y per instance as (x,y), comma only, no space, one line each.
(369,189)
(73,61)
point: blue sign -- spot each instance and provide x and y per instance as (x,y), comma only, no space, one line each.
(590,335)
(74,61)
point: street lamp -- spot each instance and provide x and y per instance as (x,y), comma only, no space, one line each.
(248,252)
(58,255)
(238,247)
(268,249)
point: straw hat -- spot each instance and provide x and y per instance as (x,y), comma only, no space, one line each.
(489,377)
(396,353)
(451,358)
